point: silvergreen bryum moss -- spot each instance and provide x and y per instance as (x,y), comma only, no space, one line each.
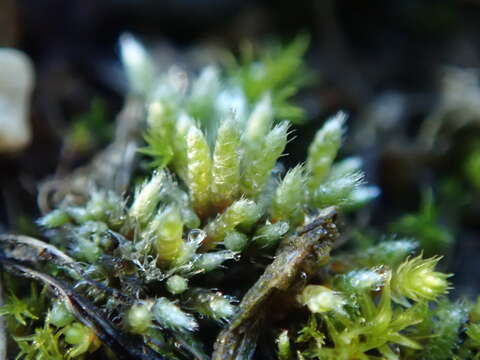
(216,204)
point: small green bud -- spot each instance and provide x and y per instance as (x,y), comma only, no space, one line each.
(167,230)
(363,280)
(226,165)
(235,241)
(78,214)
(199,171)
(105,206)
(324,148)
(241,212)
(213,260)
(336,192)
(283,346)
(416,279)
(55,218)
(269,234)
(140,317)
(59,315)
(147,198)
(88,250)
(289,197)
(177,284)
(259,168)
(83,338)
(91,236)
(170,316)
(211,304)
(320,299)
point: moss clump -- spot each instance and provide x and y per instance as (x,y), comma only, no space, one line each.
(142,274)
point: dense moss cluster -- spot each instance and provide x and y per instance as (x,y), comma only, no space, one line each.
(218,195)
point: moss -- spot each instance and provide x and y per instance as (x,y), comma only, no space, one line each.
(153,271)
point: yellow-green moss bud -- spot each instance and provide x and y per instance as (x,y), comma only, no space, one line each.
(83,338)
(320,299)
(283,346)
(324,148)
(211,304)
(59,315)
(146,199)
(199,171)
(268,235)
(170,316)
(177,284)
(140,317)
(55,218)
(226,165)
(289,197)
(235,241)
(258,169)
(167,230)
(242,211)
(416,279)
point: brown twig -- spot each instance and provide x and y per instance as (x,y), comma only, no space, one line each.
(48,251)
(238,340)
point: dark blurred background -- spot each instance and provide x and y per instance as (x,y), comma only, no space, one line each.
(382,60)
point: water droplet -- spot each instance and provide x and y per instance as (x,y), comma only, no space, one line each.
(196,236)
